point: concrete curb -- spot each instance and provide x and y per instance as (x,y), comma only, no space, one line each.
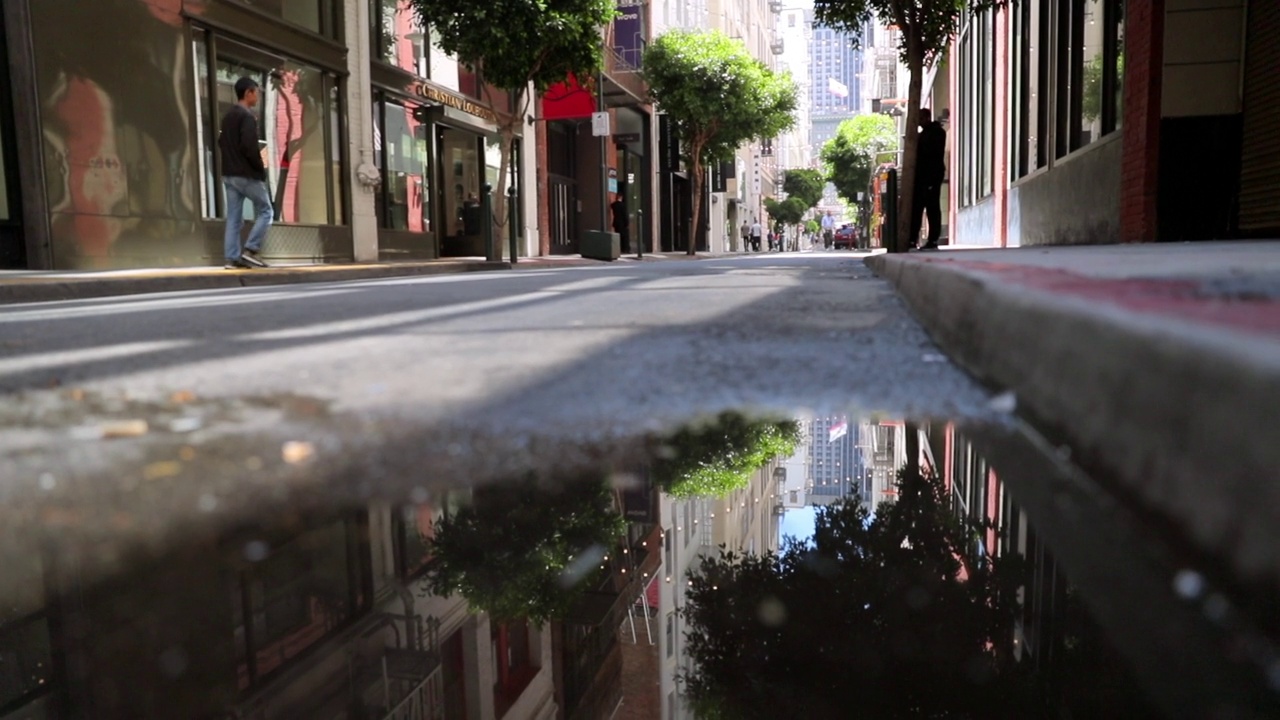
(39,289)
(1176,411)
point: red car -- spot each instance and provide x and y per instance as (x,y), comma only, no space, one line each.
(845,236)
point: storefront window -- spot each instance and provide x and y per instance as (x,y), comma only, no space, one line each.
(303,591)
(460,161)
(4,184)
(299,115)
(1092,27)
(407,203)
(1117,29)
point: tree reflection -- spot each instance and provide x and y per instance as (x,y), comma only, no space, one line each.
(716,458)
(884,615)
(524,549)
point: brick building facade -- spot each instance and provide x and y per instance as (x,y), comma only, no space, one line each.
(1096,121)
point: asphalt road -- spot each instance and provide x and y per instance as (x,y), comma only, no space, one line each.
(134,418)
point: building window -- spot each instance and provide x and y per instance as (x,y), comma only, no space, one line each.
(289,596)
(399,39)
(299,121)
(1030,42)
(1090,71)
(415,527)
(318,16)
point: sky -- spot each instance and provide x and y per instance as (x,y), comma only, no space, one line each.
(798,523)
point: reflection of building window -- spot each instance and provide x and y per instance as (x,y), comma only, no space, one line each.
(26,661)
(416,528)
(294,594)
(298,120)
(671,633)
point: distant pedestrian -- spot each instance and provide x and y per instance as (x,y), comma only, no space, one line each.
(931,170)
(828,230)
(746,235)
(244,176)
(621,223)
(757,232)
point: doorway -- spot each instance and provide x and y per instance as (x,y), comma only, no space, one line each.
(460,177)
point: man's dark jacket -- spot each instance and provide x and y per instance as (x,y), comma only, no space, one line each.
(239,143)
(931,152)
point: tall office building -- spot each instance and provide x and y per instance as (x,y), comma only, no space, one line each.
(834,459)
(834,91)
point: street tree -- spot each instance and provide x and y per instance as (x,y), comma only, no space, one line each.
(887,613)
(717,97)
(786,212)
(925,28)
(512,552)
(714,458)
(805,184)
(860,144)
(515,44)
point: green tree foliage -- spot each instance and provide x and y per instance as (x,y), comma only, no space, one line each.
(718,457)
(812,227)
(508,553)
(717,97)
(926,28)
(804,184)
(517,43)
(880,613)
(786,212)
(861,143)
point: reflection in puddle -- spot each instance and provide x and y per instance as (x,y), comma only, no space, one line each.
(919,588)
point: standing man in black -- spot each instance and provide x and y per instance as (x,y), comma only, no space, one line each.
(621,223)
(931,170)
(244,176)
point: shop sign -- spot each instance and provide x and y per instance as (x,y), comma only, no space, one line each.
(448,99)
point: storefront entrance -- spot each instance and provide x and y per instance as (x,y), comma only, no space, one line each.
(13,252)
(461,172)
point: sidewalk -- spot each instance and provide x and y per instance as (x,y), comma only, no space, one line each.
(20,286)
(1159,364)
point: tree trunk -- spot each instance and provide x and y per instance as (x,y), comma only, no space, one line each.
(507,130)
(910,143)
(695,172)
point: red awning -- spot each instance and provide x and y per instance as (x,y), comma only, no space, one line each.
(567,101)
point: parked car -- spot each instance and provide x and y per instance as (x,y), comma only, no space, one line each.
(845,237)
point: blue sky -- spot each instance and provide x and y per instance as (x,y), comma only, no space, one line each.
(798,523)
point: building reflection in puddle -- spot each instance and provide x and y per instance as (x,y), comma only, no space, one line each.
(647,592)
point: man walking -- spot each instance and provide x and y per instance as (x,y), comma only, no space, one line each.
(757,232)
(828,230)
(931,170)
(244,176)
(746,235)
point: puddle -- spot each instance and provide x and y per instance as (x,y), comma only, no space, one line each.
(740,567)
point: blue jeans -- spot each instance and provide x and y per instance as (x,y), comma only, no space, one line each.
(238,189)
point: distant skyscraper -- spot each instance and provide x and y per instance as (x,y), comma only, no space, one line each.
(834,460)
(834,91)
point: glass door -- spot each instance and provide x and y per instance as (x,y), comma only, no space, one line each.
(461,175)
